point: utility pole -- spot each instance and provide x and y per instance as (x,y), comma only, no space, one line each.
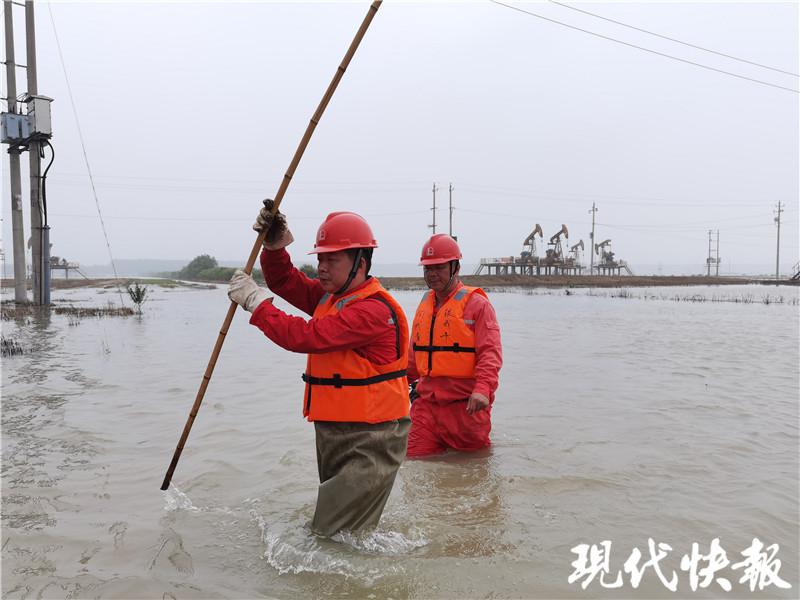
(591,243)
(17,221)
(451,212)
(778,245)
(433,226)
(713,257)
(40,238)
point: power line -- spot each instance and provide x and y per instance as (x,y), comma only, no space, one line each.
(261,181)
(469,188)
(409,183)
(583,198)
(83,148)
(232,220)
(611,39)
(235,188)
(671,39)
(679,227)
(683,228)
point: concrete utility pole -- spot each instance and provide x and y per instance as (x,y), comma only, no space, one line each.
(778,245)
(433,226)
(40,242)
(451,211)
(717,256)
(708,260)
(591,242)
(17,221)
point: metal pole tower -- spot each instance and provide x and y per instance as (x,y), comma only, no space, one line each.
(591,242)
(451,210)
(778,244)
(40,244)
(433,226)
(17,220)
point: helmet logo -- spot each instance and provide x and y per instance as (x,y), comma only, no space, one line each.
(321,235)
(429,251)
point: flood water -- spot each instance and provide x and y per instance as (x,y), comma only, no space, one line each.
(618,419)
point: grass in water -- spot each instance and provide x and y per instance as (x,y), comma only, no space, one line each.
(10,347)
(11,311)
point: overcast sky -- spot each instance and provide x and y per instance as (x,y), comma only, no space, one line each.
(190,113)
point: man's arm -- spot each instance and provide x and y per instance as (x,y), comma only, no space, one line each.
(280,274)
(488,352)
(364,324)
(288,282)
(411,371)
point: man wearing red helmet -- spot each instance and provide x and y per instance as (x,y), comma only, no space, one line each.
(356,391)
(454,359)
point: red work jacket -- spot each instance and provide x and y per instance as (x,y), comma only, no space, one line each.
(365,330)
(479,315)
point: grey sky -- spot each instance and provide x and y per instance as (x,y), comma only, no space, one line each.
(191,112)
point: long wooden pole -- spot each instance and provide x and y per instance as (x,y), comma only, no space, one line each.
(257,245)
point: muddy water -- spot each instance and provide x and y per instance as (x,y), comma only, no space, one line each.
(618,419)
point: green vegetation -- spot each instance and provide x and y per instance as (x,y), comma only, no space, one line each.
(213,274)
(167,283)
(11,311)
(83,312)
(309,270)
(138,294)
(206,268)
(197,267)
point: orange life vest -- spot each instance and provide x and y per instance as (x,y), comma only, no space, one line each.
(343,386)
(444,344)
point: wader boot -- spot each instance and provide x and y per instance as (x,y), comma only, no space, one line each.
(357,465)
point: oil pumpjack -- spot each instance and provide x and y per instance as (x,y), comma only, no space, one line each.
(574,258)
(555,261)
(607,265)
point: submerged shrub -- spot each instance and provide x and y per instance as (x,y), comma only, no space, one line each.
(10,346)
(138,294)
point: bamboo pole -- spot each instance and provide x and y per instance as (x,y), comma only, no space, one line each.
(259,240)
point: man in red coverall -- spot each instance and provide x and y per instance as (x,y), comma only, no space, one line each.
(356,390)
(454,359)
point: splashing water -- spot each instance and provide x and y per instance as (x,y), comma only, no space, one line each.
(381,542)
(174,499)
(291,547)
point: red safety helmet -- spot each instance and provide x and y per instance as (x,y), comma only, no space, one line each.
(342,231)
(441,248)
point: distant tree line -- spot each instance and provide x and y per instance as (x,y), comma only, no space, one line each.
(206,268)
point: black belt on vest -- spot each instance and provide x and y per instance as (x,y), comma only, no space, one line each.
(338,382)
(453,348)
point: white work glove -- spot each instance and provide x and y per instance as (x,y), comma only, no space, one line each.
(245,291)
(278,235)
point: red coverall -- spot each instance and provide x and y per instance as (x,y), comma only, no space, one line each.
(439,418)
(362,327)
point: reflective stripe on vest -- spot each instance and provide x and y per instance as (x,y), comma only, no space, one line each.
(444,343)
(343,386)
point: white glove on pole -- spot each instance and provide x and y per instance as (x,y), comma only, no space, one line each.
(245,291)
